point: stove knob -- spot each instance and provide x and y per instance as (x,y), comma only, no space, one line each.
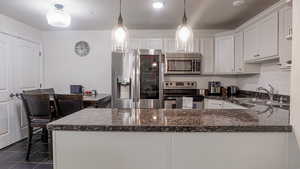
(171,84)
(188,83)
(192,84)
(167,84)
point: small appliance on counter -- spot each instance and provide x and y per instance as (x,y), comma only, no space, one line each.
(76,89)
(232,91)
(214,88)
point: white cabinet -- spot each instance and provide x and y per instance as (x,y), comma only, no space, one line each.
(268,36)
(251,42)
(285,37)
(224,54)
(261,39)
(145,44)
(169,46)
(239,52)
(207,53)
(239,65)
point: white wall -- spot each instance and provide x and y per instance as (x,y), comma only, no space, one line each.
(63,67)
(270,74)
(295,76)
(16,28)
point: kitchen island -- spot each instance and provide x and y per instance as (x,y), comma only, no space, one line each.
(170,139)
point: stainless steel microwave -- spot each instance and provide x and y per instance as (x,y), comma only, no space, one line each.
(183,63)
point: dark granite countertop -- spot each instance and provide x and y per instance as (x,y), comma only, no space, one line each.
(175,120)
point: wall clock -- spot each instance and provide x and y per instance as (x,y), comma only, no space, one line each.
(82,48)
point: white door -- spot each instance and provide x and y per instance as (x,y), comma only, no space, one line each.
(238,52)
(26,73)
(250,43)
(5,91)
(224,61)
(268,36)
(20,70)
(207,53)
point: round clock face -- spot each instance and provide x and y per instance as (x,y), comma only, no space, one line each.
(82,48)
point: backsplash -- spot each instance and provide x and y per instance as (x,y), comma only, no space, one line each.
(270,74)
(276,97)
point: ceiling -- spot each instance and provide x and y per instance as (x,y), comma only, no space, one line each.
(137,14)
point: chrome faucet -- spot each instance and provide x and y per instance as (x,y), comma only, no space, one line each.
(269,92)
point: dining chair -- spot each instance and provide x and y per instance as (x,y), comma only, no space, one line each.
(68,103)
(38,113)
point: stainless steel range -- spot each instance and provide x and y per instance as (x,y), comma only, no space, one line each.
(176,90)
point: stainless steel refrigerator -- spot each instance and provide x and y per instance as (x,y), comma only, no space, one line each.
(137,77)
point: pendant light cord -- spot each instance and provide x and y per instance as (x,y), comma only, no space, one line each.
(120,19)
(184,20)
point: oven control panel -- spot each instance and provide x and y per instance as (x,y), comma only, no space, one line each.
(180,85)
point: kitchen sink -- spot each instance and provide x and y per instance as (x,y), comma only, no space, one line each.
(255,101)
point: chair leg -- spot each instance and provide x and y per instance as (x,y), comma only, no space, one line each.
(29,139)
(50,145)
(44,137)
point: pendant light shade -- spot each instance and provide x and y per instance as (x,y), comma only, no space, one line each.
(120,34)
(184,35)
(57,17)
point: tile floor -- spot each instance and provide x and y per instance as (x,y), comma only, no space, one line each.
(13,157)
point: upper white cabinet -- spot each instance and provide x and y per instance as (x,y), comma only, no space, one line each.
(145,44)
(239,65)
(239,52)
(251,42)
(224,54)
(169,45)
(207,53)
(268,36)
(261,39)
(285,37)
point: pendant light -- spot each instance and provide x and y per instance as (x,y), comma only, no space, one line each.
(120,34)
(184,35)
(57,17)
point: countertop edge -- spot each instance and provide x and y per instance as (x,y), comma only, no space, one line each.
(102,128)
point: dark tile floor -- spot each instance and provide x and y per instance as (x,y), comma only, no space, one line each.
(13,157)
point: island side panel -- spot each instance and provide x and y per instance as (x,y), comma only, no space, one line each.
(111,150)
(149,150)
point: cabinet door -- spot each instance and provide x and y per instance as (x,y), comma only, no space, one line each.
(224,61)
(169,45)
(239,52)
(268,36)
(134,44)
(207,53)
(285,35)
(250,43)
(151,44)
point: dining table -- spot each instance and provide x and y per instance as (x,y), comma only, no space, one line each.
(100,100)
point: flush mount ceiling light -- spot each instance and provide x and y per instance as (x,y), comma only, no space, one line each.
(120,34)
(184,34)
(158,4)
(238,3)
(57,17)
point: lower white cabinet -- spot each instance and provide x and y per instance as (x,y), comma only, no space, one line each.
(171,150)
(224,54)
